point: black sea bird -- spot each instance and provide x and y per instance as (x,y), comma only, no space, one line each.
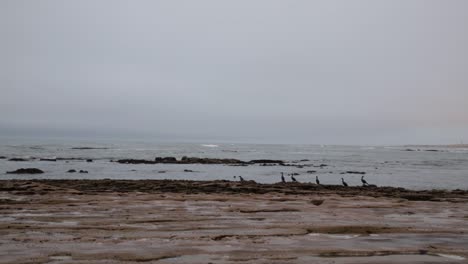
(344,183)
(364,182)
(292,178)
(282,177)
(241,179)
(317,180)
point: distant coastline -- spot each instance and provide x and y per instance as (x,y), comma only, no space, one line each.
(438,146)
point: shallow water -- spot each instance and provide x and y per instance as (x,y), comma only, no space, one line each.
(446,168)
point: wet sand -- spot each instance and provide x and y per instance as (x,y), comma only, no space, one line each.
(107,221)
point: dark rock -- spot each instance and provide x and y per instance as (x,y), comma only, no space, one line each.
(161,171)
(83,171)
(26,171)
(17,159)
(70,159)
(2,157)
(135,161)
(87,148)
(320,166)
(432,150)
(71,171)
(45,159)
(423,251)
(317,202)
(409,149)
(165,160)
(188,170)
(355,172)
(303,160)
(89,160)
(267,161)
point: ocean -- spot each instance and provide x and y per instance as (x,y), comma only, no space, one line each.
(397,166)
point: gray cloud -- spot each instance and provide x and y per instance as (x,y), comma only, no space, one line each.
(344,72)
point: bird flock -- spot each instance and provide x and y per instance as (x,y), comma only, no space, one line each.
(317,180)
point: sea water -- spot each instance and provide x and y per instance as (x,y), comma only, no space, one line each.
(423,168)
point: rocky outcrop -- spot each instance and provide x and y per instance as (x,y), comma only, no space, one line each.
(165,160)
(46,159)
(184,160)
(195,160)
(26,171)
(17,159)
(84,148)
(354,172)
(135,161)
(267,161)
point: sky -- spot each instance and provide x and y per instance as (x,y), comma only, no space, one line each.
(258,71)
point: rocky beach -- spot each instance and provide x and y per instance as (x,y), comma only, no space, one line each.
(169,221)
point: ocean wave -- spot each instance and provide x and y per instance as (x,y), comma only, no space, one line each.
(210,145)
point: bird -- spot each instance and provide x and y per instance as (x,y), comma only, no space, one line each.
(241,179)
(282,177)
(292,178)
(364,182)
(317,180)
(344,183)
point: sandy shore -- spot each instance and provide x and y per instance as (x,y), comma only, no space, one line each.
(108,221)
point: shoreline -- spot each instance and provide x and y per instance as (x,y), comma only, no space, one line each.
(226,187)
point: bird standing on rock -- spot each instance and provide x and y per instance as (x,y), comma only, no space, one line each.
(241,179)
(317,180)
(282,178)
(292,178)
(364,182)
(344,183)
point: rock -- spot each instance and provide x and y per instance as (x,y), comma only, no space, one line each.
(89,160)
(87,148)
(2,157)
(317,202)
(135,161)
(83,171)
(26,171)
(188,170)
(432,150)
(409,150)
(161,171)
(71,171)
(17,159)
(355,172)
(45,159)
(165,160)
(267,161)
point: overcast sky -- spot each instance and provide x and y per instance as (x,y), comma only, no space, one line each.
(323,72)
